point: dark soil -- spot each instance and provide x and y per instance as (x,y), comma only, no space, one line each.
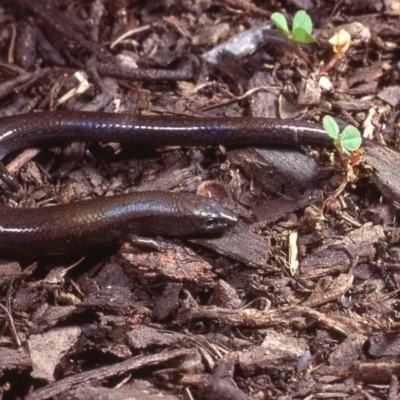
(301,298)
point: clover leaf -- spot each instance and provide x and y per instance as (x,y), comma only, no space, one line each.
(347,141)
(301,27)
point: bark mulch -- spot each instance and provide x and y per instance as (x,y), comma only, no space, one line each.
(301,299)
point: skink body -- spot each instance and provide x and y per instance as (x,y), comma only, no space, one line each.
(48,127)
(82,226)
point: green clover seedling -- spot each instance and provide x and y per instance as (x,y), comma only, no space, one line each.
(301,29)
(347,141)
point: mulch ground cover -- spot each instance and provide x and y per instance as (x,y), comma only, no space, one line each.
(300,300)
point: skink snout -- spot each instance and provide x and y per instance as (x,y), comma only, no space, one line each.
(200,215)
(220,221)
(216,218)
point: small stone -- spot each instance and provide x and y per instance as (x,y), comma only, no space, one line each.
(390,95)
(325,84)
(310,93)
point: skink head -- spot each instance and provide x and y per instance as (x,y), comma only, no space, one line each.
(208,215)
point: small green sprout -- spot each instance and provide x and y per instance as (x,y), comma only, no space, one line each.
(301,29)
(347,141)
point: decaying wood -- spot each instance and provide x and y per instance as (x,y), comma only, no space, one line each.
(241,244)
(284,171)
(253,318)
(246,320)
(218,389)
(386,173)
(104,372)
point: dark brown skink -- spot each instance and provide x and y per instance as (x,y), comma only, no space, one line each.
(46,127)
(87,225)
(82,226)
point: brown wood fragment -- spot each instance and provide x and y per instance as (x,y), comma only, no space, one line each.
(386,344)
(329,289)
(14,359)
(257,319)
(126,392)
(167,301)
(9,271)
(48,316)
(115,299)
(324,262)
(348,351)
(258,360)
(276,209)
(47,349)
(225,295)
(277,351)
(358,245)
(240,244)
(219,389)
(375,372)
(98,374)
(285,171)
(386,164)
(143,336)
(337,323)
(175,262)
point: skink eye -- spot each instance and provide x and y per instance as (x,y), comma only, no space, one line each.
(214,222)
(220,222)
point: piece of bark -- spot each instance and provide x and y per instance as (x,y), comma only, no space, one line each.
(240,244)
(258,360)
(329,289)
(281,342)
(115,299)
(386,344)
(391,95)
(143,336)
(112,274)
(225,295)
(126,392)
(98,374)
(277,350)
(47,349)
(324,262)
(14,359)
(167,180)
(167,301)
(264,102)
(285,171)
(174,262)
(348,351)
(9,271)
(257,319)
(240,45)
(25,50)
(309,93)
(375,372)
(226,367)
(276,209)
(48,316)
(359,245)
(386,164)
(30,297)
(218,389)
